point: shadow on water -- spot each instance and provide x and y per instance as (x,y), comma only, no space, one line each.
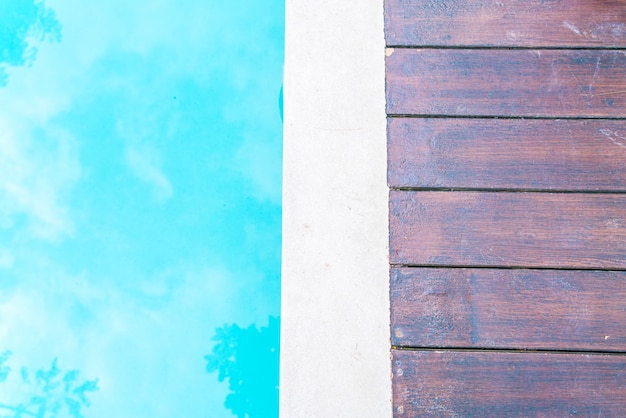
(248,358)
(46,393)
(23,22)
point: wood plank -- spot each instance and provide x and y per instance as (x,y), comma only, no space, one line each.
(518,83)
(508,229)
(506,384)
(514,23)
(508,309)
(583,155)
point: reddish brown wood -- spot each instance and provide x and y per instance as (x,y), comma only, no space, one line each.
(501,384)
(508,229)
(508,309)
(528,23)
(507,154)
(542,83)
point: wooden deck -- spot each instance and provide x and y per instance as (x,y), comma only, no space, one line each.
(507,170)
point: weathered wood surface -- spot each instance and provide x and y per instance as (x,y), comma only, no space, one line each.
(518,83)
(508,309)
(507,127)
(515,23)
(508,229)
(581,155)
(507,384)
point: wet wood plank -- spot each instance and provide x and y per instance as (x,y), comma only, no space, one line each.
(530,23)
(508,229)
(508,309)
(506,384)
(517,83)
(582,155)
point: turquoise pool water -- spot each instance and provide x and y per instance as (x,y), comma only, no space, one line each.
(140,208)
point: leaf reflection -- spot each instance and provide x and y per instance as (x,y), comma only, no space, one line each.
(21,22)
(248,358)
(46,393)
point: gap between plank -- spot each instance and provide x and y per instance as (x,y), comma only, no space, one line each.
(428,116)
(508,350)
(511,48)
(487,267)
(505,190)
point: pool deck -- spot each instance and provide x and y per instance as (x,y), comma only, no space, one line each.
(335,271)
(506,136)
(506,145)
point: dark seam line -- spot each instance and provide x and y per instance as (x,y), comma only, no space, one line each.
(508,350)
(488,267)
(503,190)
(443,116)
(511,48)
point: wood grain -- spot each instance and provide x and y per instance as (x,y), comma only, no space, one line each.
(529,23)
(508,229)
(509,101)
(518,83)
(508,309)
(506,384)
(582,155)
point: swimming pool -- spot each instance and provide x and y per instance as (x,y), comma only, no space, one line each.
(140,208)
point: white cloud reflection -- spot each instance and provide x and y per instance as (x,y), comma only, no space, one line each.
(125,286)
(39,167)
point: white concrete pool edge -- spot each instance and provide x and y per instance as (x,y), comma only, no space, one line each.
(335,292)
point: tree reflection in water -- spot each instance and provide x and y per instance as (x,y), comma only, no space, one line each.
(21,22)
(248,358)
(46,393)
